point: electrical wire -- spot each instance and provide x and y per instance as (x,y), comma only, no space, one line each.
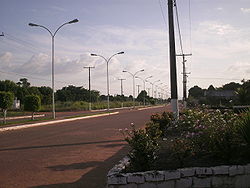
(178,26)
(163,16)
(204,78)
(32,77)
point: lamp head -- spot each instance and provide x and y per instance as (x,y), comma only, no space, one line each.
(124,71)
(73,21)
(142,70)
(93,54)
(120,53)
(32,24)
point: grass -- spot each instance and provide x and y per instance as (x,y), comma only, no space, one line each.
(24,121)
(47,118)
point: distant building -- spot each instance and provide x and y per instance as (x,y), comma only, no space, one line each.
(16,104)
(222,94)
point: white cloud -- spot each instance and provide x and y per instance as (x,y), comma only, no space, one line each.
(6,60)
(245,10)
(219,8)
(217,28)
(242,68)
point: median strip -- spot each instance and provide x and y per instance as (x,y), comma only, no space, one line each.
(53,122)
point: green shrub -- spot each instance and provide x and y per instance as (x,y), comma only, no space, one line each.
(144,148)
(163,120)
(180,150)
(211,132)
(244,127)
(32,103)
(6,101)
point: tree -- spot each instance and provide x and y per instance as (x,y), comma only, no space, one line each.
(6,101)
(8,85)
(23,82)
(211,88)
(196,92)
(46,93)
(141,96)
(231,86)
(32,103)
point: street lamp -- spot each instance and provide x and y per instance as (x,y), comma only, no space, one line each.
(153,86)
(89,67)
(133,75)
(107,61)
(144,86)
(52,57)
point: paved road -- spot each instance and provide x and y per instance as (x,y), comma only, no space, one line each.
(72,154)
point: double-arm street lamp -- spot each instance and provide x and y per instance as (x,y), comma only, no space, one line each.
(107,61)
(144,86)
(153,86)
(52,57)
(133,75)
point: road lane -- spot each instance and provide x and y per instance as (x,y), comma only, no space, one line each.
(70,154)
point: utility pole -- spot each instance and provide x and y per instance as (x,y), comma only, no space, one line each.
(174,94)
(89,86)
(1,35)
(121,85)
(184,78)
(138,86)
(148,91)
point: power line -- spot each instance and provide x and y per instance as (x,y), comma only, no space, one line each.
(32,77)
(215,78)
(178,26)
(163,16)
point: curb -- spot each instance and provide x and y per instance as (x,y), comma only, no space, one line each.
(53,122)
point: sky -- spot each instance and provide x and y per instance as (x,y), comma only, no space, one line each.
(215,32)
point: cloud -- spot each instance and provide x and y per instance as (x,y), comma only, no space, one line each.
(6,60)
(217,28)
(219,8)
(242,68)
(57,8)
(245,10)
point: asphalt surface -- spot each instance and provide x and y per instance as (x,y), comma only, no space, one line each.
(71,154)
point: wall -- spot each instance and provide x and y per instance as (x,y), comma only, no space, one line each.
(219,176)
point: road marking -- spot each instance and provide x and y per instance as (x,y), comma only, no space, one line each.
(150,107)
(53,122)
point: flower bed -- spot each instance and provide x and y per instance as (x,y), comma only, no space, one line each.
(199,138)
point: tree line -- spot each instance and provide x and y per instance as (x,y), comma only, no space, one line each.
(69,93)
(229,94)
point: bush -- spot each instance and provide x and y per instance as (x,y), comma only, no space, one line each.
(163,120)
(6,101)
(32,103)
(211,132)
(244,127)
(144,148)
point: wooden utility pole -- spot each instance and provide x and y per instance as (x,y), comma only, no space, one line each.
(121,79)
(89,86)
(174,94)
(184,78)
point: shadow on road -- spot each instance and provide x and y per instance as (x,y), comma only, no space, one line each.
(64,145)
(96,178)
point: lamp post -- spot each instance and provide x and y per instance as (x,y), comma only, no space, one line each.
(52,57)
(107,61)
(133,76)
(89,67)
(144,86)
(153,87)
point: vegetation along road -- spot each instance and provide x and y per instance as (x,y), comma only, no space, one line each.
(70,154)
